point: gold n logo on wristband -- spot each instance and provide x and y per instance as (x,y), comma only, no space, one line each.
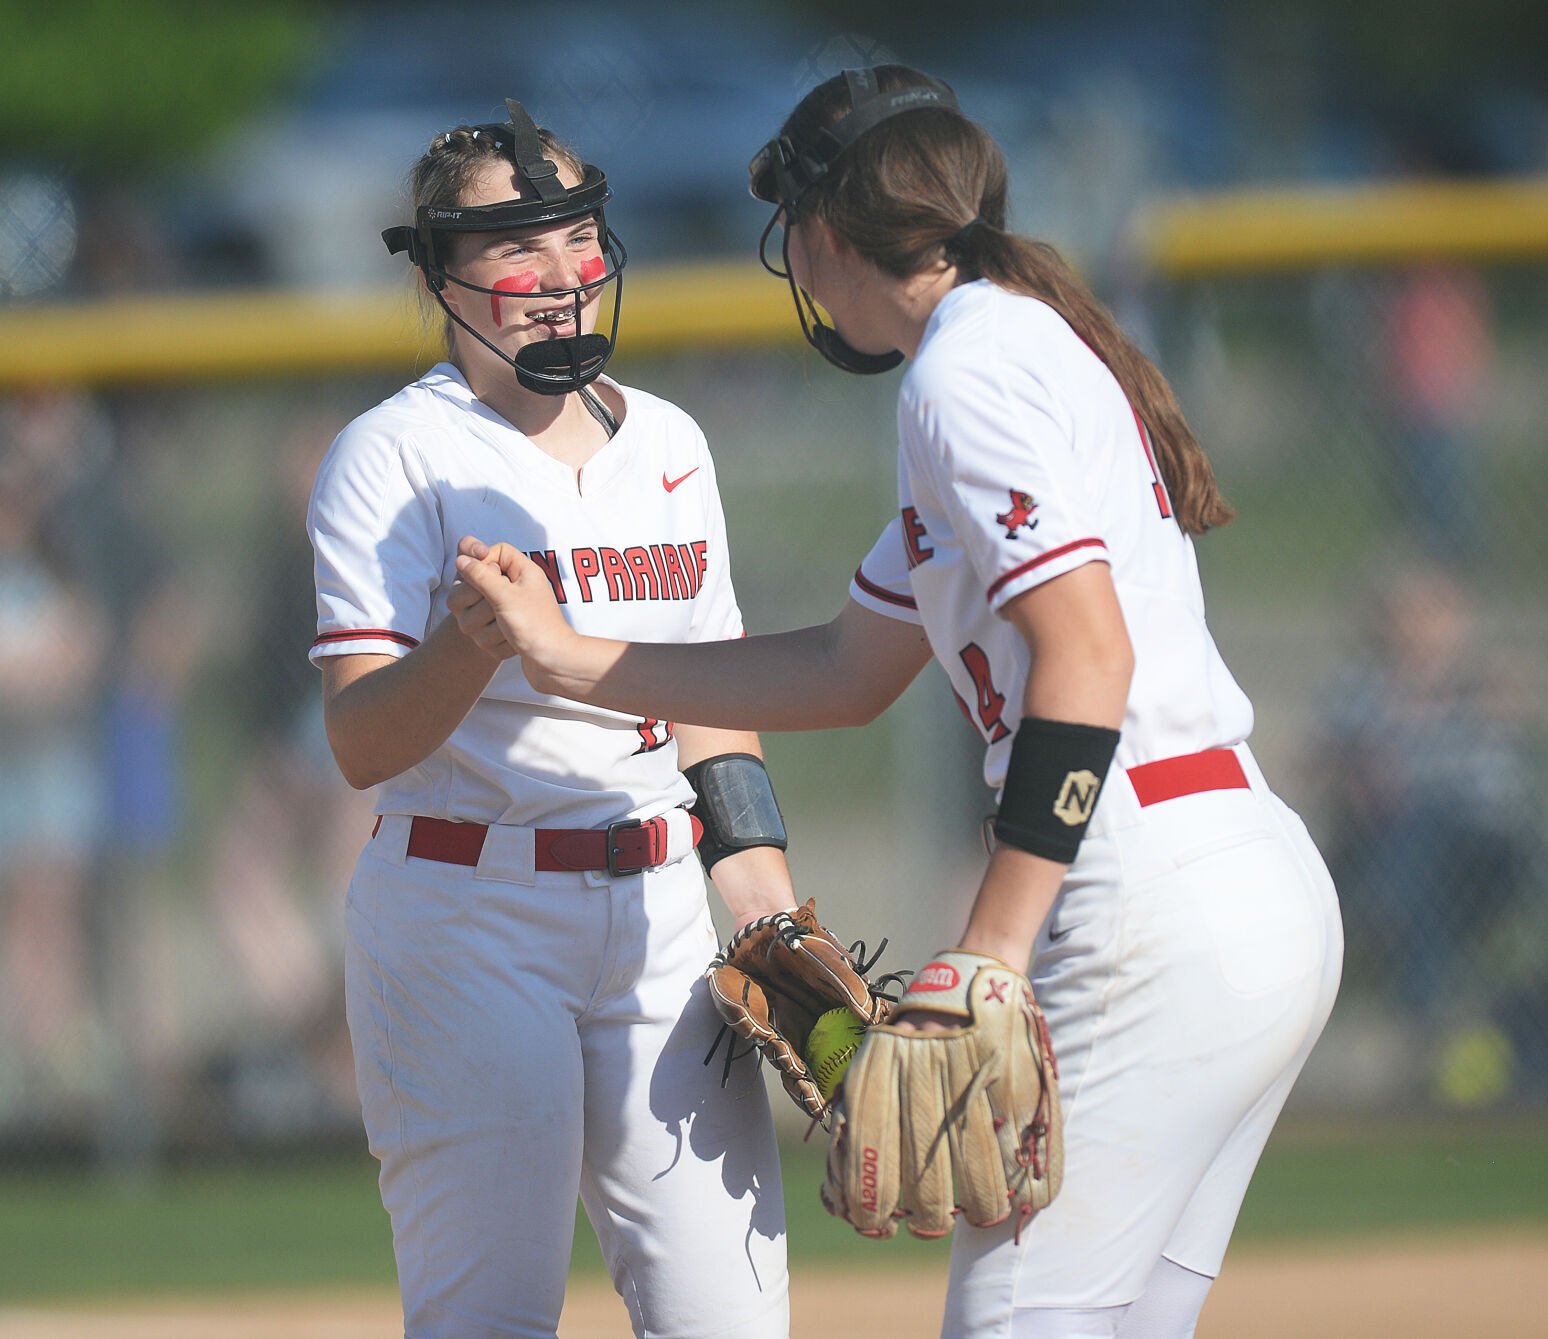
(1077,797)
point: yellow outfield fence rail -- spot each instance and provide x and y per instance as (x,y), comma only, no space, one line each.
(201,336)
(194,337)
(1259,231)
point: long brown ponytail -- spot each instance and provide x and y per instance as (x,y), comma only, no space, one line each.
(901,195)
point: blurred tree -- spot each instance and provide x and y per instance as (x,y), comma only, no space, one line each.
(109,89)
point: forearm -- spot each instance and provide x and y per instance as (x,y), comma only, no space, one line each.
(1013,901)
(1080,673)
(785,681)
(390,718)
(844,672)
(751,883)
(754,883)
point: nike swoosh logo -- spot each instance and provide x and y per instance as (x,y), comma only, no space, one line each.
(670,484)
(1054,936)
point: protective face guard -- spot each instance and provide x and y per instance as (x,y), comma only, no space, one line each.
(783,170)
(549,367)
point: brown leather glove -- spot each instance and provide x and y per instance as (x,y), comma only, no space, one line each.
(775,978)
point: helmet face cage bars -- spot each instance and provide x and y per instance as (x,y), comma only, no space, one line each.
(783,170)
(549,367)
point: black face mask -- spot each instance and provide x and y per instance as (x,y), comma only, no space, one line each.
(783,170)
(549,367)
(821,336)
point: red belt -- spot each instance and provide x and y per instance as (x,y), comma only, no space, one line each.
(1213,769)
(622,848)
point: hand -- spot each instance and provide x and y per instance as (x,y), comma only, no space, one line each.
(475,615)
(926,1020)
(505,604)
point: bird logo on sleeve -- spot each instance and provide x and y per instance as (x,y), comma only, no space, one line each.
(1020,514)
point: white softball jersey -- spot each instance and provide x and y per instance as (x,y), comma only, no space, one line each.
(523,1036)
(1019,460)
(635,549)
(1192,955)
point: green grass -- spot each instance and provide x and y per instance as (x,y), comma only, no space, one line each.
(299,1224)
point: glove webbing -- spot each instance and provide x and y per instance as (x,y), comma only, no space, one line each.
(792,931)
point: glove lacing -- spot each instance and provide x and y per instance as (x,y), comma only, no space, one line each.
(792,932)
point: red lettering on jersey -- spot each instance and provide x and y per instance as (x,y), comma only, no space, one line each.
(677,579)
(658,566)
(654,735)
(620,585)
(991,702)
(691,572)
(701,558)
(549,562)
(586,566)
(914,537)
(645,586)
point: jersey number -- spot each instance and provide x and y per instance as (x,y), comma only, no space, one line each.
(991,703)
(653,734)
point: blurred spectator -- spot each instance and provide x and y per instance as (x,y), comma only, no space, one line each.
(1433,797)
(52,640)
(292,833)
(1439,343)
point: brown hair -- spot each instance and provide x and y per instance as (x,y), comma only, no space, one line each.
(445,170)
(901,194)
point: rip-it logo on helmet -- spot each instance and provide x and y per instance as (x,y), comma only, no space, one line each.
(553,366)
(786,168)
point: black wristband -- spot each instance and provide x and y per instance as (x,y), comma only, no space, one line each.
(1051,786)
(736,805)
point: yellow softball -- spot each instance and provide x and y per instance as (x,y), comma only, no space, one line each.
(834,1039)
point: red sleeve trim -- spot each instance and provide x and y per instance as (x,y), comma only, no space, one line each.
(881,593)
(1041,558)
(368,635)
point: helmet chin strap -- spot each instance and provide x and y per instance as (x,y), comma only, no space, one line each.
(826,340)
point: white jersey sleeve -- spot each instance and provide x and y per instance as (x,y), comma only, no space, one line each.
(992,452)
(881,582)
(377,537)
(716,616)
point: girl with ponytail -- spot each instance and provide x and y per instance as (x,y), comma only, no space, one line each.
(1173,916)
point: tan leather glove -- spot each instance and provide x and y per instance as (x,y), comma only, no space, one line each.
(927,1125)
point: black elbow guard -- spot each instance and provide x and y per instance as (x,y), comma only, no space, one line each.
(735,803)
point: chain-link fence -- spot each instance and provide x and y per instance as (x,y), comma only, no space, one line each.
(175,841)
(1382,431)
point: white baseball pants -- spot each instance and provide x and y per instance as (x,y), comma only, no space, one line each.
(517,1044)
(1186,970)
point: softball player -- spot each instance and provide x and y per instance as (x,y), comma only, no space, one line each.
(1184,934)
(527,925)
